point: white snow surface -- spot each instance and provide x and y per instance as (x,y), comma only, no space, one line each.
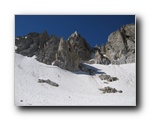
(105,56)
(75,89)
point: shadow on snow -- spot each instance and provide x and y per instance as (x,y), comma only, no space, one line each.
(88,70)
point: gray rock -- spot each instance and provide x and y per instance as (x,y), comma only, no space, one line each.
(48,52)
(48,82)
(104,77)
(110,90)
(66,59)
(108,78)
(77,44)
(103,49)
(120,47)
(100,59)
(31,44)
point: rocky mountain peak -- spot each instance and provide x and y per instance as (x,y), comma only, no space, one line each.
(72,52)
(75,34)
(80,45)
(120,47)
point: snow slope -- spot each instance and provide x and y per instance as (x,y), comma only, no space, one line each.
(75,89)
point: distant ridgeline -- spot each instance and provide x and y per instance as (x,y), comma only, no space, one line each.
(69,54)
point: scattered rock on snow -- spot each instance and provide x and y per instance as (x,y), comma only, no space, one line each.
(48,82)
(110,90)
(108,78)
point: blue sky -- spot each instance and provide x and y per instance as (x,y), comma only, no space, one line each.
(94,28)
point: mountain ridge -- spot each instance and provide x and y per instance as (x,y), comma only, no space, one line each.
(68,54)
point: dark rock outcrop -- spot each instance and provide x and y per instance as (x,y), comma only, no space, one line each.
(30,44)
(41,45)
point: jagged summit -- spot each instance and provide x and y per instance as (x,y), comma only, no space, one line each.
(74,35)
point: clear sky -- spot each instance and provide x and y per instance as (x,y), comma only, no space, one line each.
(94,28)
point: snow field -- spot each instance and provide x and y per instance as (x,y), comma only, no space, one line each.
(75,89)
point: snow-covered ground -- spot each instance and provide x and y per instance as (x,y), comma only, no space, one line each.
(75,89)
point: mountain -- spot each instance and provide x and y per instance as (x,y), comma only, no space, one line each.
(51,71)
(71,53)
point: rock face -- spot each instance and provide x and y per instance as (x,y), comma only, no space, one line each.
(78,44)
(120,47)
(48,52)
(42,45)
(27,45)
(98,57)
